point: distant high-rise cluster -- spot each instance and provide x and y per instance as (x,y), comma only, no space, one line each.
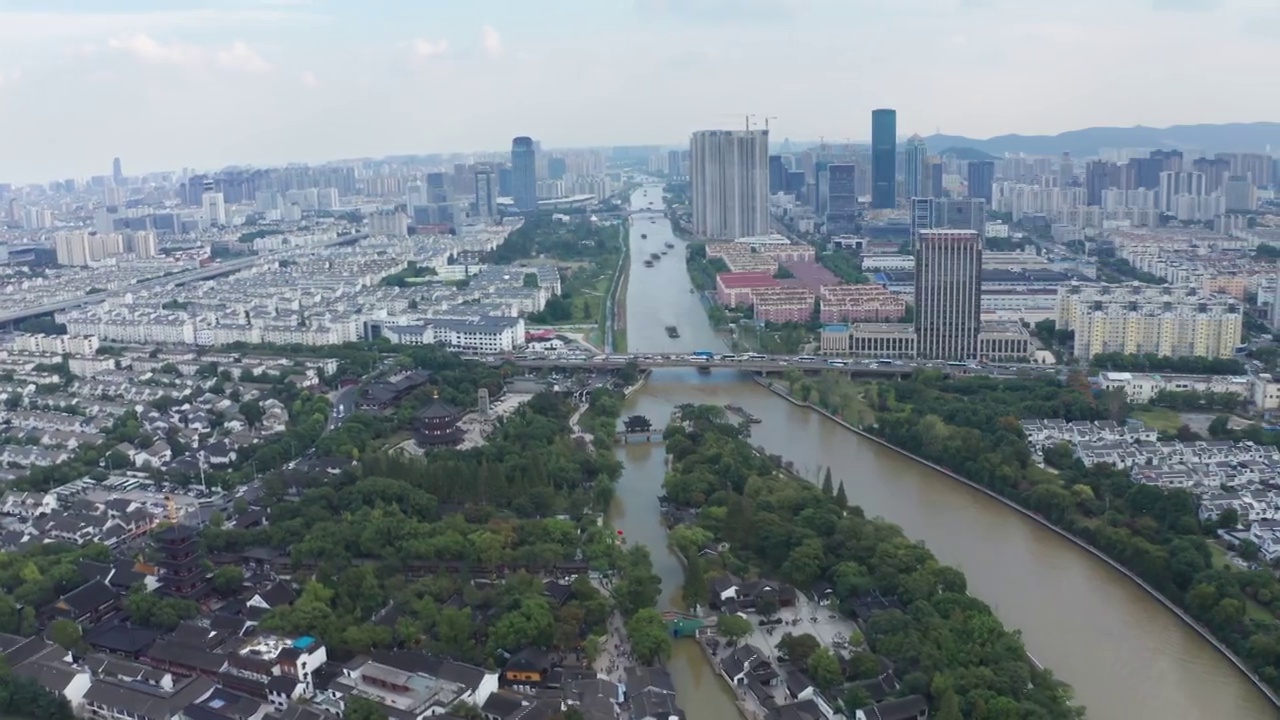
(729,183)
(79,248)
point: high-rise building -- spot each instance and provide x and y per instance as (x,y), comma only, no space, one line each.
(948,214)
(729,183)
(777,175)
(1066,171)
(884,158)
(1098,175)
(71,248)
(915,168)
(842,198)
(1239,193)
(1138,319)
(948,296)
(981,178)
(936,172)
(142,245)
(1144,173)
(1215,172)
(1176,183)
(675,164)
(524,174)
(486,194)
(1170,160)
(557,168)
(436,191)
(117,171)
(215,208)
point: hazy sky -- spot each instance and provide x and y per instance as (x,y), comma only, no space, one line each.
(172,83)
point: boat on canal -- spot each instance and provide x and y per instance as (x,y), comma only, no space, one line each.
(643,236)
(655,256)
(670,245)
(673,332)
(648,263)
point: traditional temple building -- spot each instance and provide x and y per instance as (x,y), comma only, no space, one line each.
(183,571)
(437,425)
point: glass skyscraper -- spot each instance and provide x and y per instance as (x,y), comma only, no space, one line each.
(884,158)
(524,174)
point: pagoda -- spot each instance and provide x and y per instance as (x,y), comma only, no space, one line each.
(183,571)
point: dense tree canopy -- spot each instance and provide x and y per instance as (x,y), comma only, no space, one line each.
(933,631)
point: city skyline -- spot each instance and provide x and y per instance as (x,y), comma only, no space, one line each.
(166,85)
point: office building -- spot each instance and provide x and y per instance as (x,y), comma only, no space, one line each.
(524,174)
(436,190)
(215,208)
(842,198)
(948,294)
(1170,160)
(981,176)
(117,171)
(557,168)
(915,168)
(1172,321)
(948,214)
(884,158)
(777,175)
(729,183)
(486,194)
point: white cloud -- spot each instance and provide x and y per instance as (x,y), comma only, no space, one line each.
(40,27)
(423,48)
(237,56)
(308,79)
(147,49)
(242,57)
(490,40)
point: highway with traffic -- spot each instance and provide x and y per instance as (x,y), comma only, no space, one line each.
(756,362)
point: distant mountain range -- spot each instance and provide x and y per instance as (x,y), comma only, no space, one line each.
(1228,137)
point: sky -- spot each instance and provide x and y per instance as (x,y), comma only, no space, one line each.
(166,84)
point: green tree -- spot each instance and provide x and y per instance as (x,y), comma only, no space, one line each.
(828,488)
(65,633)
(842,500)
(649,638)
(767,606)
(797,649)
(733,627)
(949,708)
(252,412)
(855,699)
(824,669)
(227,581)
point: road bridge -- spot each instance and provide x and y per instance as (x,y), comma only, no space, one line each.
(181,278)
(763,367)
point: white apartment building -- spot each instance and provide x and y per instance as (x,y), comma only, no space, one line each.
(215,208)
(485,335)
(56,344)
(729,183)
(1173,321)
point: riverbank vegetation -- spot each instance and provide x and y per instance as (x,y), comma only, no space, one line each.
(971,426)
(1150,362)
(944,644)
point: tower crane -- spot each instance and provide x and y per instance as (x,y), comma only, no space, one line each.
(767,118)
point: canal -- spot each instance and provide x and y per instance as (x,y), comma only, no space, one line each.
(1124,653)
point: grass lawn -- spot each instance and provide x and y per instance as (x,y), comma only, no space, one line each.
(1162,419)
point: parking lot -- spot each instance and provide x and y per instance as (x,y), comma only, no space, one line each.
(824,623)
